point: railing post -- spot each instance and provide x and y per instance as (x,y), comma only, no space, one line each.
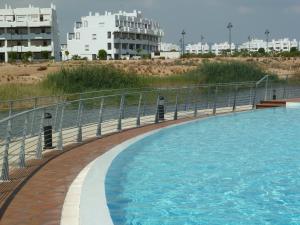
(254,97)
(208,96)
(121,112)
(60,131)
(176,108)
(157,110)
(266,88)
(55,116)
(99,125)
(79,121)
(195,107)
(38,151)
(5,164)
(250,95)
(285,87)
(235,98)
(215,101)
(33,115)
(138,117)
(23,141)
(10,108)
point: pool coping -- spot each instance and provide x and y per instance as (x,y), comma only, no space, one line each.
(73,213)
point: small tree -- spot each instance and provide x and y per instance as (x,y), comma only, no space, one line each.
(261,51)
(67,53)
(102,54)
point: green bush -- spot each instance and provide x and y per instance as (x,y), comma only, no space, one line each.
(102,54)
(225,72)
(12,56)
(86,78)
(45,54)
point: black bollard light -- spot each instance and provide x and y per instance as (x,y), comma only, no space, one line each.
(161,108)
(48,131)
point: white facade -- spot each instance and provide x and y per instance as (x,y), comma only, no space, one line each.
(220,48)
(168,47)
(281,45)
(64,50)
(31,29)
(166,55)
(200,48)
(120,35)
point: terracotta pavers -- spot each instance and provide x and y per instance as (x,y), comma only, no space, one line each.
(41,199)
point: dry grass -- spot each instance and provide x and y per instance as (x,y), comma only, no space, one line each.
(33,73)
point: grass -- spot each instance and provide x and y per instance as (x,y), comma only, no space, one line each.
(95,77)
(19,91)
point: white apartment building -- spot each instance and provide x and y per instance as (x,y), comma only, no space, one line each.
(254,45)
(199,48)
(121,35)
(280,45)
(29,31)
(220,48)
(169,47)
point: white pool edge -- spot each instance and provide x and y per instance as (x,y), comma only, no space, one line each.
(80,189)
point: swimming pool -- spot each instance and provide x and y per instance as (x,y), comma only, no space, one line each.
(235,169)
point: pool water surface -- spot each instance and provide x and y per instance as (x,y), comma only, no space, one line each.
(241,168)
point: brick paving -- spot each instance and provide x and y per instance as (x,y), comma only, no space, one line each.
(40,200)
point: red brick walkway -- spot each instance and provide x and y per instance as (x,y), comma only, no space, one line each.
(41,199)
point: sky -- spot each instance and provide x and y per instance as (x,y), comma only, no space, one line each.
(197,17)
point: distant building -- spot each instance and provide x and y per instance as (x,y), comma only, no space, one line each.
(64,50)
(280,45)
(199,48)
(253,46)
(166,55)
(29,31)
(169,47)
(220,48)
(121,35)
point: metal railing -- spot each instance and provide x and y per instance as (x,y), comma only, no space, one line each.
(11,107)
(28,135)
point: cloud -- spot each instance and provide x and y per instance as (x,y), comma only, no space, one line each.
(245,10)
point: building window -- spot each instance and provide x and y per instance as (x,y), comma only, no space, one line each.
(109,46)
(94,36)
(45,43)
(109,35)
(87,48)
(85,23)
(41,17)
(77,36)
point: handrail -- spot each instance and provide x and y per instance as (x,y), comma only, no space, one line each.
(78,120)
(262,79)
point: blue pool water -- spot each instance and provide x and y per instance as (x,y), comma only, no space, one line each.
(236,169)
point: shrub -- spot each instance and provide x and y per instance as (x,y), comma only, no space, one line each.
(45,54)
(102,54)
(226,72)
(86,77)
(261,51)
(12,56)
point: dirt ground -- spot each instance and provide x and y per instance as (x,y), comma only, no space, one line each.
(35,72)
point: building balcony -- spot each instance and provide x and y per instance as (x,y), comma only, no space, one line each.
(26,24)
(26,49)
(8,36)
